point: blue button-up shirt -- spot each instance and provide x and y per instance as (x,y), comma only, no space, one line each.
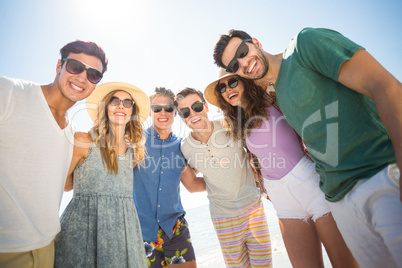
(157,185)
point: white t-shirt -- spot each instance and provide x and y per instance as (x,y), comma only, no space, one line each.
(228,176)
(35,155)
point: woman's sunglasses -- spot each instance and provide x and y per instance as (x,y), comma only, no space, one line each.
(76,67)
(158,108)
(115,101)
(241,52)
(232,83)
(196,107)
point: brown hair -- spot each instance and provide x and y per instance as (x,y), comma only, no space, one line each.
(185,92)
(239,121)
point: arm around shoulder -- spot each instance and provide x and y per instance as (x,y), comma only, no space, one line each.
(82,143)
(191,181)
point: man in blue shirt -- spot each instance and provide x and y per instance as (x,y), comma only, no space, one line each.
(157,188)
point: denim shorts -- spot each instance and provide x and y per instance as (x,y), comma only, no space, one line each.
(298,195)
(175,250)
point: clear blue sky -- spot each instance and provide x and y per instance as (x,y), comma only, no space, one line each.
(153,43)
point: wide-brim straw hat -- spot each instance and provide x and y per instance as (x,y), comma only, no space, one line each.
(140,98)
(209,92)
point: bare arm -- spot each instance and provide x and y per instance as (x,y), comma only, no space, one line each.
(191,181)
(365,75)
(82,143)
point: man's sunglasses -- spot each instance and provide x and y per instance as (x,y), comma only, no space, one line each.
(196,107)
(232,83)
(115,101)
(76,67)
(158,108)
(241,52)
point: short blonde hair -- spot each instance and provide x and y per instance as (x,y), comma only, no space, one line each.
(161,91)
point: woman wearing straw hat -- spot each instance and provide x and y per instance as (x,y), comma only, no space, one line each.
(100,226)
(289,175)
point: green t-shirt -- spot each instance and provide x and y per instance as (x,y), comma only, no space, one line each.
(340,127)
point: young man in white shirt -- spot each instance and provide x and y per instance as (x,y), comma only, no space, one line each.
(35,153)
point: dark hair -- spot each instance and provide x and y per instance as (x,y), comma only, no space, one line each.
(86,47)
(185,92)
(161,91)
(222,43)
(237,120)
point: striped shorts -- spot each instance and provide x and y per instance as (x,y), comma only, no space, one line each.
(245,239)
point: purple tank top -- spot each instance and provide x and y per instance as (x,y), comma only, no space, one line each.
(276,145)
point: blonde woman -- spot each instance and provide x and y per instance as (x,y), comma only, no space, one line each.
(100,226)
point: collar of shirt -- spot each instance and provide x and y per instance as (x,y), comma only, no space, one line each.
(151,132)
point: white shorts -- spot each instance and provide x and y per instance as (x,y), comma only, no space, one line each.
(298,195)
(369,218)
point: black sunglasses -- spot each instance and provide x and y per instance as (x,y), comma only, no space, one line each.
(76,67)
(158,108)
(232,83)
(196,107)
(115,101)
(241,52)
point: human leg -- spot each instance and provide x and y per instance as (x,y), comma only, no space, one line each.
(42,257)
(370,219)
(302,242)
(230,232)
(325,226)
(179,251)
(258,238)
(245,239)
(298,201)
(336,248)
(176,251)
(154,253)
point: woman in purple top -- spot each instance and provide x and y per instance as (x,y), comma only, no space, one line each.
(289,175)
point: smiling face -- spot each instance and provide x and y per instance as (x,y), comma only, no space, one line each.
(254,65)
(233,96)
(75,87)
(162,120)
(120,115)
(196,120)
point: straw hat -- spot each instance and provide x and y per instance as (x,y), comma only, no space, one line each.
(209,92)
(140,98)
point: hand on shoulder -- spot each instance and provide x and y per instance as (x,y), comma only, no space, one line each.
(82,140)
(82,143)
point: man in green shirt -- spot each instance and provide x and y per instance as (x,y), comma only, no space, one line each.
(348,110)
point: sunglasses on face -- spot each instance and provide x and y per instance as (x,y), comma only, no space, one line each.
(76,67)
(232,83)
(241,52)
(158,108)
(196,107)
(115,101)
